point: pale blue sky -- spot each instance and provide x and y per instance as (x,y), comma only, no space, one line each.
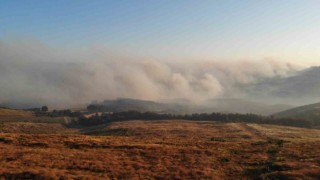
(285,29)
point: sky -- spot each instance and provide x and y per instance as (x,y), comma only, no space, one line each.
(222,29)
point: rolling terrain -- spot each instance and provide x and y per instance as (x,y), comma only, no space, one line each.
(310,112)
(183,106)
(163,149)
(159,90)
(20,121)
(46,147)
(307,111)
(16,115)
(301,87)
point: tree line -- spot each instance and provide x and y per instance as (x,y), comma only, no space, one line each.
(220,117)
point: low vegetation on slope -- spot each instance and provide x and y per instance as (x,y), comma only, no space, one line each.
(166,149)
(15,115)
(35,128)
(103,118)
(6,113)
(309,112)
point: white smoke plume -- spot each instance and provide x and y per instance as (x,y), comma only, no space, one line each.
(32,73)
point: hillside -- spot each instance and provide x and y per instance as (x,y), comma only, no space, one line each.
(16,115)
(241,106)
(311,112)
(125,104)
(164,150)
(6,113)
(225,105)
(300,87)
(35,128)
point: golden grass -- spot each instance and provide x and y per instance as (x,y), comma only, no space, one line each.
(14,115)
(162,150)
(35,128)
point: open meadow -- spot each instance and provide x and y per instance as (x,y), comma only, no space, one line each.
(184,89)
(161,149)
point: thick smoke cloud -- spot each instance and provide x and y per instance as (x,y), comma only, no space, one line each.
(32,74)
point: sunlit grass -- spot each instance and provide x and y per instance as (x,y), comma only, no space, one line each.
(162,149)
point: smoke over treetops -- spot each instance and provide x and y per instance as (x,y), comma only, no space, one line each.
(32,73)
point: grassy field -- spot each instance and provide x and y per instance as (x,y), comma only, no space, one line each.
(161,150)
(15,115)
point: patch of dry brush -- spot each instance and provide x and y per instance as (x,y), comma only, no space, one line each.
(161,149)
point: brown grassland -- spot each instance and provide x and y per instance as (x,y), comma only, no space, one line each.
(13,115)
(158,150)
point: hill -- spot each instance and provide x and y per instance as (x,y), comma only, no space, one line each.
(125,104)
(243,106)
(16,115)
(6,113)
(34,128)
(184,106)
(311,112)
(300,87)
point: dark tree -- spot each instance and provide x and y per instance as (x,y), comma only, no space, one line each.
(44,108)
(221,117)
(95,107)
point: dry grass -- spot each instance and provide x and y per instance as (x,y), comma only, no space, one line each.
(288,133)
(14,115)
(35,128)
(163,150)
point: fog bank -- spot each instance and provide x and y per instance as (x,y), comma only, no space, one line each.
(32,73)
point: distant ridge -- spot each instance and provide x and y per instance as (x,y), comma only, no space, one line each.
(299,88)
(310,111)
(7,113)
(233,105)
(125,104)
(187,107)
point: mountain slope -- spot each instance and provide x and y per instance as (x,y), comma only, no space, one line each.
(6,113)
(301,87)
(183,107)
(242,106)
(125,104)
(311,111)
(16,115)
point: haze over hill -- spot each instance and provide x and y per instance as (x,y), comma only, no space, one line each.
(35,74)
(163,89)
(199,52)
(186,107)
(302,87)
(310,111)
